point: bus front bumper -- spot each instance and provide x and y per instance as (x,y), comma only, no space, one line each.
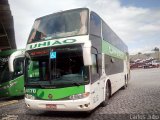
(63,105)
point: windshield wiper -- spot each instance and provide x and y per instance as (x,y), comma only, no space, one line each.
(40,86)
(76,84)
(51,37)
(34,85)
(49,86)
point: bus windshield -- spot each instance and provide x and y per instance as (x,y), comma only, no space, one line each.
(67,69)
(5,74)
(4,70)
(62,24)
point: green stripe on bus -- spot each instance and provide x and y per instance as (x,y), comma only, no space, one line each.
(110,50)
(57,94)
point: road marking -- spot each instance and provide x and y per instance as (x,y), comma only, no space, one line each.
(8,103)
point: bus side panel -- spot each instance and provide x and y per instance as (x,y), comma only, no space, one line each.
(4,90)
(17,86)
(13,88)
(96,93)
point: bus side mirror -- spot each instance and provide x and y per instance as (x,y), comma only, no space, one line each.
(87,58)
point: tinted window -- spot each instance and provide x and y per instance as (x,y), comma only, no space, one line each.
(18,67)
(106,33)
(112,38)
(95,24)
(94,68)
(66,69)
(5,75)
(62,24)
(4,70)
(113,65)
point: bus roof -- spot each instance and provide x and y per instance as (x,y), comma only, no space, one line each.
(118,39)
(62,11)
(7,52)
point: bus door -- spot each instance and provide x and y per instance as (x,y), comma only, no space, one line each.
(17,76)
(96,91)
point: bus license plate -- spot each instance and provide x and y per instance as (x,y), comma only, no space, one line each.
(51,106)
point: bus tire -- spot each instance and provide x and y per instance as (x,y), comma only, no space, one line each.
(125,84)
(107,94)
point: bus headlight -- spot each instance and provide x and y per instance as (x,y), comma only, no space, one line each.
(79,96)
(28,96)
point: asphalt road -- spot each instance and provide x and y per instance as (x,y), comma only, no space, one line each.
(140,101)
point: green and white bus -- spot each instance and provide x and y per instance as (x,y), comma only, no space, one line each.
(74,62)
(11,83)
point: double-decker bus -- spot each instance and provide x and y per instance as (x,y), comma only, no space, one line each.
(11,83)
(74,62)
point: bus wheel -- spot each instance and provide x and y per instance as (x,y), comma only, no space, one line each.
(105,102)
(125,85)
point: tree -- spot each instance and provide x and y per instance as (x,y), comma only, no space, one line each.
(156,49)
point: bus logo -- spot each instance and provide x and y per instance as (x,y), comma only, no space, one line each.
(51,43)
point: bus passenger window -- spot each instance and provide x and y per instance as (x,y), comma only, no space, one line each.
(95,24)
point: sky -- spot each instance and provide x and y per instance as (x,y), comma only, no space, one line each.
(136,22)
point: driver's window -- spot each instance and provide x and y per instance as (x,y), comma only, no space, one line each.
(94,69)
(18,67)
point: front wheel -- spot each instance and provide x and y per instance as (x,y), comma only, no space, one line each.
(105,102)
(125,84)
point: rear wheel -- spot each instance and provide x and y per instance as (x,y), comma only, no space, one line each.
(105,102)
(125,84)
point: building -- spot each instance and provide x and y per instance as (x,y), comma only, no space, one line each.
(7,36)
(154,55)
(148,60)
